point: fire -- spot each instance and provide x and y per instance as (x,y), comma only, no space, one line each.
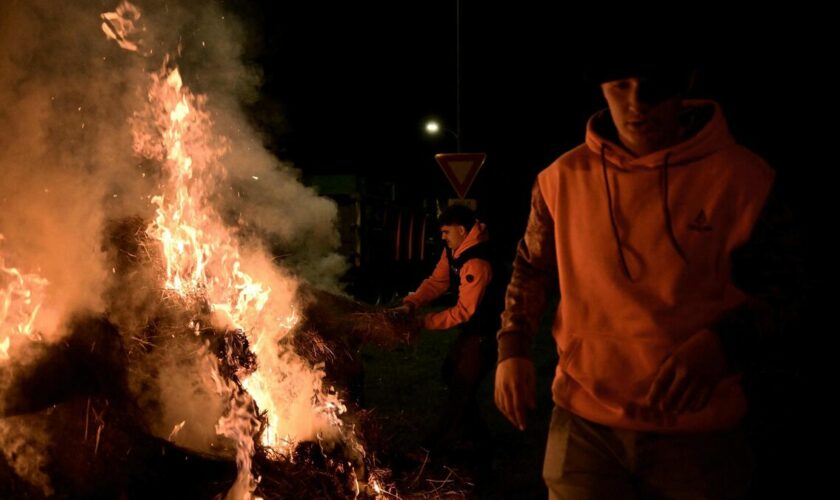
(206,267)
(223,291)
(202,259)
(176,430)
(201,256)
(21,299)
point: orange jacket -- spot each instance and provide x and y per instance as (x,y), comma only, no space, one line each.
(676,216)
(475,275)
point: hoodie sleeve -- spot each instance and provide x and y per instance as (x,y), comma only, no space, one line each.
(769,268)
(534,272)
(475,276)
(432,287)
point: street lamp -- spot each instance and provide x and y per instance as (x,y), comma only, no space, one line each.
(434,128)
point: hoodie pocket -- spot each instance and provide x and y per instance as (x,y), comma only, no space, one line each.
(615,371)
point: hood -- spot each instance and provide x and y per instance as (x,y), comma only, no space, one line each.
(707,133)
(478,234)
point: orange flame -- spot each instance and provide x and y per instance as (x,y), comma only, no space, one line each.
(21,298)
(205,265)
(202,257)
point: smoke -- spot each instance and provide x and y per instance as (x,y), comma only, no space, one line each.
(66,96)
(23,442)
(59,151)
(70,176)
(264,197)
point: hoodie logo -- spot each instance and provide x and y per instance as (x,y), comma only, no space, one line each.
(700,223)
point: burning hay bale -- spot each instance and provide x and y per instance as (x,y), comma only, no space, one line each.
(111,383)
(102,437)
(202,355)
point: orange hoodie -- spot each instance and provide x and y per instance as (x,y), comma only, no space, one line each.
(642,248)
(475,275)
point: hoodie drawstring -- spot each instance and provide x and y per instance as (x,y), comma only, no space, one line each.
(665,209)
(612,215)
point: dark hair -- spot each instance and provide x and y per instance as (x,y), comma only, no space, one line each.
(457,215)
(670,67)
(656,83)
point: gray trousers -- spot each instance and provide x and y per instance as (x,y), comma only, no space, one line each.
(585,460)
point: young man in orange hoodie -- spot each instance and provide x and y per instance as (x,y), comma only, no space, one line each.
(466,270)
(639,227)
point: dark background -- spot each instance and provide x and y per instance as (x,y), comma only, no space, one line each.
(348,87)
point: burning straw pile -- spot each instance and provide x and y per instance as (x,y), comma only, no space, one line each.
(206,370)
(101,394)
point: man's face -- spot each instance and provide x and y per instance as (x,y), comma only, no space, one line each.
(453,235)
(645,113)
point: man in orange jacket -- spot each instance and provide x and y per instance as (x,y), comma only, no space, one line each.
(639,226)
(466,270)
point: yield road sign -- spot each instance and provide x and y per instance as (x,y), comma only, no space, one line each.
(461,169)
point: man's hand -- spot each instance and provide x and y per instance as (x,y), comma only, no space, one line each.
(515,390)
(687,378)
(403,309)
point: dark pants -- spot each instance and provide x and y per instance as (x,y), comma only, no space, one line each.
(585,460)
(470,358)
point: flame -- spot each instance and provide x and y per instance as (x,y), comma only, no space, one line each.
(204,261)
(205,265)
(175,430)
(202,258)
(21,298)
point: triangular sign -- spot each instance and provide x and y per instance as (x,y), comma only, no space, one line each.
(461,169)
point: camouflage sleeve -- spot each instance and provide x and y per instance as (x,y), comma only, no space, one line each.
(534,273)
